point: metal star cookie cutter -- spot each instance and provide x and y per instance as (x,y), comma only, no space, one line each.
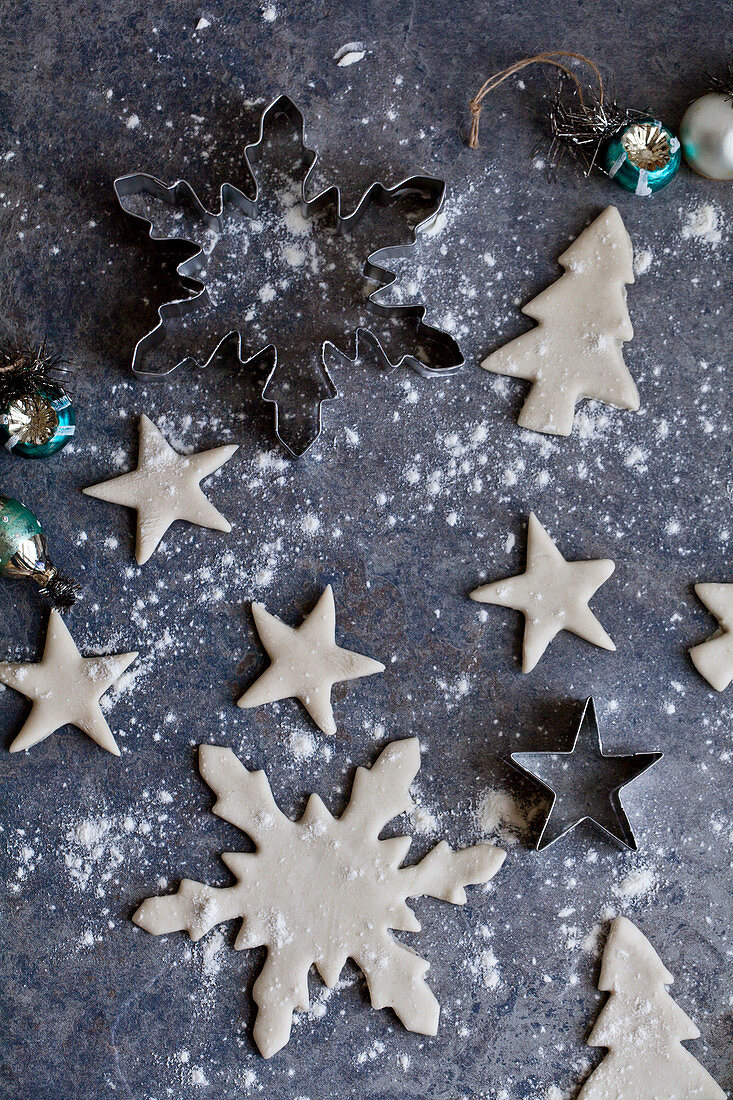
(429,187)
(585,797)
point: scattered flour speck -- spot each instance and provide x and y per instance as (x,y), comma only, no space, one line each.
(310,524)
(642,262)
(637,884)
(498,813)
(703,224)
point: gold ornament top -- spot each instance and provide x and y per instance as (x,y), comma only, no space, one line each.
(646,145)
(32,419)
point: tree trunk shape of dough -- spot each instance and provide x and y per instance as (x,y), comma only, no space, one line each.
(576,350)
(643,1029)
(321,889)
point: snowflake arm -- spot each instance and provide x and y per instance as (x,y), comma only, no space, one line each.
(443,873)
(244,797)
(382,792)
(245,800)
(195,908)
(280,990)
(175,212)
(395,976)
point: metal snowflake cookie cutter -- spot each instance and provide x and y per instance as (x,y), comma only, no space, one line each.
(296,427)
(591,783)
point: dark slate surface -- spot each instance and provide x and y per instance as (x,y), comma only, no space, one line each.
(415,492)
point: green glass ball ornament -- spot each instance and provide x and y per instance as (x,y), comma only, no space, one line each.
(642,157)
(24,553)
(38,423)
(706,133)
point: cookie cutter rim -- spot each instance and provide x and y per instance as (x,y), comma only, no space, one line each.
(137,183)
(627,839)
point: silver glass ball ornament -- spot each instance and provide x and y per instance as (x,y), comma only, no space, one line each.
(706,134)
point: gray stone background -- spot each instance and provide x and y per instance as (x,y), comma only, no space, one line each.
(416,491)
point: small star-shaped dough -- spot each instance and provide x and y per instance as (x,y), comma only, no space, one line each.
(164,488)
(585,783)
(552,594)
(713,659)
(65,688)
(306,662)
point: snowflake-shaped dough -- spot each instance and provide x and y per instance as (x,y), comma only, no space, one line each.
(322,889)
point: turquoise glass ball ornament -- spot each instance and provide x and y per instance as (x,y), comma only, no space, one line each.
(24,554)
(38,423)
(642,157)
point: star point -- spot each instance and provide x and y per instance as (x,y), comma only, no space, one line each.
(164,488)
(305,662)
(713,658)
(65,688)
(553,595)
(585,783)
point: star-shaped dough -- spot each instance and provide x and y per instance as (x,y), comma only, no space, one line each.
(585,783)
(65,688)
(713,659)
(552,594)
(164,488)
(306,662)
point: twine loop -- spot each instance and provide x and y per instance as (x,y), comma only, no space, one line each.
(548,57)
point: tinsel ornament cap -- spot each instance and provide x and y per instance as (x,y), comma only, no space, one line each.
(706,133)
(36,416)
(24,554)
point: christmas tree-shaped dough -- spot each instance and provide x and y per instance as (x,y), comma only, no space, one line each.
(575,351)
(643,1029)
